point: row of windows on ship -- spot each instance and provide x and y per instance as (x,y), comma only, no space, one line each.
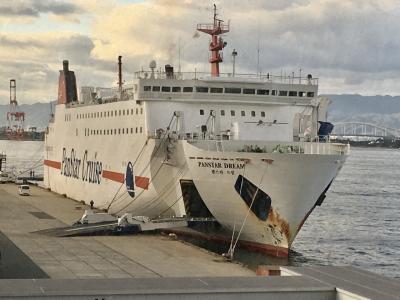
(114,131)
(227,90)
(106,114)
(233,113)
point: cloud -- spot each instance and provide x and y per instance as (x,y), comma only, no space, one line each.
(33,8)
(353,46)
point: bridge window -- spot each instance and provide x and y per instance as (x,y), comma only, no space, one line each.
(176,89)
(262,92)
(310,94)
(283,93)
(166,89)
(156,88)
(292,93)
(302,94)
(147,88)
(201,89)
(249,91)
(187,89)
(216,90)
(233,90)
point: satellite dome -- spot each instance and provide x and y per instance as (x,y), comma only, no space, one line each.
(153,64)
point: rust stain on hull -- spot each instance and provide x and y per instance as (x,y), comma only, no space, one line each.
(277,223)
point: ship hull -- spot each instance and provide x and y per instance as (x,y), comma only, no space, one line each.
(143,177)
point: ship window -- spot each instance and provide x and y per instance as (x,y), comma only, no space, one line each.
(253,113)
(123,130)
(137,111)
(302,94)
(176,89)
(166,89)
(263,114)
(156,88)
(233,90)
(232,113)
(111,132)
(115,131)
(243,113)
(258,201)
(292,93)
(147,88)
(131,130)
(141,111)
(201,112)
(273,92)
(98,114)
(136,130)
(222,112)
(123,112)
(262,92)
(201,89)
(115,113)
(140,129)
(187,89)
(119,112)
(127,131)
(216,90)
(131,111)
(119,130)
(111,113)
(249,91)
(310,94)
(282,93)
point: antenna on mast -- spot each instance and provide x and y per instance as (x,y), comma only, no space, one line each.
(120,73)
(217,43)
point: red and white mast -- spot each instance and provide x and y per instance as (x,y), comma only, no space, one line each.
(15,118)
(217,43)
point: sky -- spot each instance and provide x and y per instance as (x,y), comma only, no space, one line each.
(352,46)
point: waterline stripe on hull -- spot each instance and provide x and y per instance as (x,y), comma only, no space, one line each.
(142,182)
(270,250)
(52,164)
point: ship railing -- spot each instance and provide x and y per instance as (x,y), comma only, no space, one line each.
(267,78)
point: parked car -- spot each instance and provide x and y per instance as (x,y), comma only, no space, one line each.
(24,190)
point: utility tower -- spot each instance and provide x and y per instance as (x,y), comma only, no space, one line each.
(15,118)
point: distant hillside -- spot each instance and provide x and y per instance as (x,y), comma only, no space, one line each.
(36,115)
(381,110)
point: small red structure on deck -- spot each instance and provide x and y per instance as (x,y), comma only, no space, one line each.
(15,118)
(217,43)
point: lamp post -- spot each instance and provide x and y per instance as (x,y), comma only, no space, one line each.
(234,54)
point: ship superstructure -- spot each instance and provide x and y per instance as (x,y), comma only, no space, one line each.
(251,151)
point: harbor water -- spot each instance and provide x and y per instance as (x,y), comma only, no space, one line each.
(357,224)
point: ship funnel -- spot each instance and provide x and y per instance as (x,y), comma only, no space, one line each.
(67,91)
(65,65)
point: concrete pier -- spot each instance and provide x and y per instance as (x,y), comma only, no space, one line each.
(145,256)
(144,266)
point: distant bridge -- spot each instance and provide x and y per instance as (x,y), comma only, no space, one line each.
(367,130)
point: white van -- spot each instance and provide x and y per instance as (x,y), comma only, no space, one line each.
(24,190)
(4,177)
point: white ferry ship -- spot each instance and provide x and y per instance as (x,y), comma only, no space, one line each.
(250,151)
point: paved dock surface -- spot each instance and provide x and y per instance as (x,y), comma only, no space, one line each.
(129,256)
